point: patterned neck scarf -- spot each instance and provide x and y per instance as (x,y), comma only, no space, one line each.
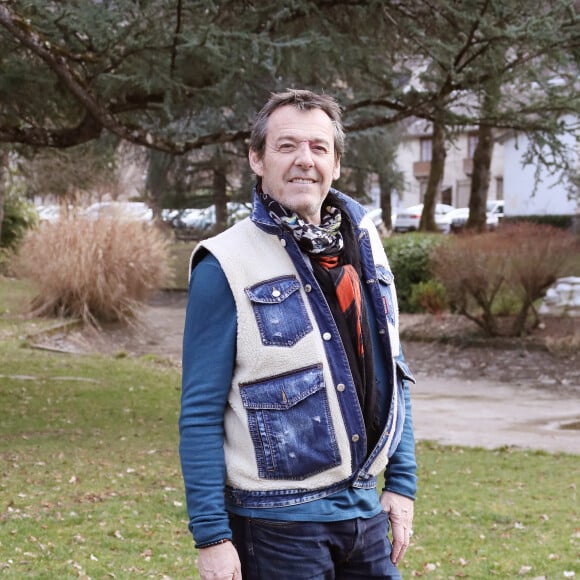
(312,239)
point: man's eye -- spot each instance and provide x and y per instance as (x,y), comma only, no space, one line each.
(285,147)
(320,149)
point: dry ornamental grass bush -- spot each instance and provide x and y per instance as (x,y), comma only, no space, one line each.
(98,270)
(519,262)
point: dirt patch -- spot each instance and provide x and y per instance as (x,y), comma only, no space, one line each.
(452,346)
(445,346)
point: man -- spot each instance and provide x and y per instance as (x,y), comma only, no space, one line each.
(295,392)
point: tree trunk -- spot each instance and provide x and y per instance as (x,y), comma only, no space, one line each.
(439,153)
(360,181)
(220,191)
(157,182)
(3,168)
(480,179)
(386,187)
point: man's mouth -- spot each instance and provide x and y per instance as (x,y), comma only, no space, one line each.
(302,180)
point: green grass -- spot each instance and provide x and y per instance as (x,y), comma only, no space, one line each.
(90,484)
(494,514)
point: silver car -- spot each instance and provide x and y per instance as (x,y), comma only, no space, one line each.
(408,219)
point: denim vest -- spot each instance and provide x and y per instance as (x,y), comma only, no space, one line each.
(294,428)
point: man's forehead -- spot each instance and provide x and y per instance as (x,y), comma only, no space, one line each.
(311,125)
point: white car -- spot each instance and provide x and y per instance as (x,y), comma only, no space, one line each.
(408,219)
(495,207)
(128,210)
(458,218)
(193,223)
(48,213)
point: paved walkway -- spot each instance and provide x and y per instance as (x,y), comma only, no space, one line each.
(489,414)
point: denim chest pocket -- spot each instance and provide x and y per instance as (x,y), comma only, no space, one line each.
(279,311)
(290,424)
(385,278)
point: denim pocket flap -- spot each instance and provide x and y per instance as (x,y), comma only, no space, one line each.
(404,371)
(385,276)
(273,291)
(283,391)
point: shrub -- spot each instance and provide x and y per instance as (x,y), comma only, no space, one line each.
(96,270)
(563,222)
(409,258)
(429,297)
(5,260)
(484,272)
(19,217)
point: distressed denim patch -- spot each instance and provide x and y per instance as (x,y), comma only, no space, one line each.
(290,424)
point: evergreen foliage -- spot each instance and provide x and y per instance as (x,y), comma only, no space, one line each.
(176,76)
(19,217)
(409,257)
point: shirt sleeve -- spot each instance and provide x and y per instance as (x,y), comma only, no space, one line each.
(401,472)
(209,345)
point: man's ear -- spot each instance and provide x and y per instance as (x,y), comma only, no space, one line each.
(336,171)
(256,163)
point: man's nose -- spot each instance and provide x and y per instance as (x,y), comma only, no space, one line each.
(304,155)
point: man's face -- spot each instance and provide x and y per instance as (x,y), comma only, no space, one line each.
(299,162)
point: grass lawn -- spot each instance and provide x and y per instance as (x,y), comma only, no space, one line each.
(90,484)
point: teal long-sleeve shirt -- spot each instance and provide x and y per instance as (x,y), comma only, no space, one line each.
(209,352)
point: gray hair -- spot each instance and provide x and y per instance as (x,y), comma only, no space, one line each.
(302,100)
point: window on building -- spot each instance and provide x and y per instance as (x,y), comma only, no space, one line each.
(426,149)
(499,188)
(471,144)
(447,196)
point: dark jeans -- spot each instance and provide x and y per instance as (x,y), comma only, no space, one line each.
(347,550)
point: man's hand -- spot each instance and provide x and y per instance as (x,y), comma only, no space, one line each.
(400,510)
(219,562)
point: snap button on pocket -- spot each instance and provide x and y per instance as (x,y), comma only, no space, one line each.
(275,293)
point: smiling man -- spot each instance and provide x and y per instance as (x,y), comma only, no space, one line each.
(295,390)
(298,162)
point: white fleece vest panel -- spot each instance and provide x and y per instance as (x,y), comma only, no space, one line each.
(250,256)
(381,259)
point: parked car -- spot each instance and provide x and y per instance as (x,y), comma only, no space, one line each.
(408,219)
(128,210)
(48,213)
(458,218)
(184,218)
(376,214)
(195,223)
(495,207)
